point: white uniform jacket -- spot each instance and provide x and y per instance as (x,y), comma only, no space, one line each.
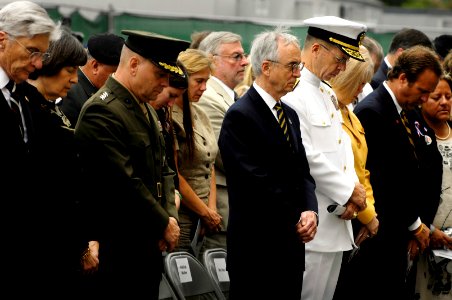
(330,157)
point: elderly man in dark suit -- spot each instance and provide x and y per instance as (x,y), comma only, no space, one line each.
(25,34)
(104,50)
(271,191)
(405,168)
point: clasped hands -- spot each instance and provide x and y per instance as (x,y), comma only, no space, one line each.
(435,239)
(356,203)
(440,240)
(368,230)
(90,258)
(212,220)
(307,226)
(170,236)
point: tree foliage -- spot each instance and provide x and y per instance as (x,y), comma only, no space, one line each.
(439,4)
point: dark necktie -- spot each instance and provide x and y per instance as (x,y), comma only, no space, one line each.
(15,108)
(282,120)
(406,124)
(236,96)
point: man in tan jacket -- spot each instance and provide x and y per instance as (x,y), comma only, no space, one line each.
(228,68)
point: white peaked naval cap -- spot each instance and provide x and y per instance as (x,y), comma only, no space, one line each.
(344,34)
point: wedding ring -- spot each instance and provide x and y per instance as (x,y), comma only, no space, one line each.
(355,214)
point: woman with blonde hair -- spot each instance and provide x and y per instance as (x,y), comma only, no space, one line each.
(196,149)
(347,86)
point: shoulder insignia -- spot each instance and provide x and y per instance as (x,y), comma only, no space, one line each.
(334,100)
(103,96)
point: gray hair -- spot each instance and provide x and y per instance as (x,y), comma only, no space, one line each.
(265,46)
(215,39)
(25,18)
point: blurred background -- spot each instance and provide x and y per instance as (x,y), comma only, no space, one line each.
(180,18)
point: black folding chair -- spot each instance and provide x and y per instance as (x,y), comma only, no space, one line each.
(189,278)
(215,262)
(165,290)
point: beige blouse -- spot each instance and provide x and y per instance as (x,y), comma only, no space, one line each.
(197,172)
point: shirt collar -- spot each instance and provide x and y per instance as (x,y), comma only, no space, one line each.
(268,99)
(387,62)
(224,86)
(4,79)
(393,97)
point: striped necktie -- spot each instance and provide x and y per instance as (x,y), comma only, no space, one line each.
(406,124)
(15,107)
(282,120)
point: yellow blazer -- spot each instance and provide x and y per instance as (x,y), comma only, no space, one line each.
(355,130)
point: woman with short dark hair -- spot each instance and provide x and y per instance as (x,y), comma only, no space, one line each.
(54,162)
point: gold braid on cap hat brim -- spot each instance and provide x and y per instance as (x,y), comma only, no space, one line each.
(333,40)
(360,38)
(174,69)
(353,53)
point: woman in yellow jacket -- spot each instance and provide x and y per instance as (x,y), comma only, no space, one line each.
(347,86)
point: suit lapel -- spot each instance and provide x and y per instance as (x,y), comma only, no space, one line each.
(88,88)
(395,120)
(26,113)
(269,120)
(351,123)
(220,91)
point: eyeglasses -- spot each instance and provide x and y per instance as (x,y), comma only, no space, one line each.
(339,60)
(34,55)
(293,67)
(235,56)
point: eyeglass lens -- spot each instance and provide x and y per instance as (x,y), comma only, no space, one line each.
(339,60)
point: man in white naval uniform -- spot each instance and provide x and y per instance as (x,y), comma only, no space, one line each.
(330,42)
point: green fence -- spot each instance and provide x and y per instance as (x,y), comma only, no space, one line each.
(182,27)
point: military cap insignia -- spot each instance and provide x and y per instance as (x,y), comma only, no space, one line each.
(173,69)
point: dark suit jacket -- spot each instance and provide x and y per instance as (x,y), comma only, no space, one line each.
(14,149)
(269,185)
(76,97)
(404,185)
(380,76)
(15,157)
(23,203)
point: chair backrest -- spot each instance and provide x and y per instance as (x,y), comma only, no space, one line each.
(215,262)
(166,292)
(188,276)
